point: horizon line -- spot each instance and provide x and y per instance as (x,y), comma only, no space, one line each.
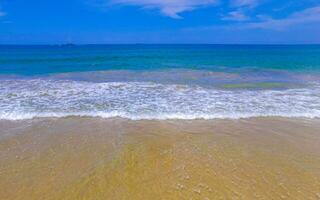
(88,44)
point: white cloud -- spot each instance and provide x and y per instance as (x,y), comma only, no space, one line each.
(171,8)
(243,3)
(309,15)
(235,16)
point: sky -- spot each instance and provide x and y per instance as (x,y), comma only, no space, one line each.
(160,21)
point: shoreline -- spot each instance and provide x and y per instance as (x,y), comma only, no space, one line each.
(98,117)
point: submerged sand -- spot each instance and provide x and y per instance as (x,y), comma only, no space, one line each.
(93,158)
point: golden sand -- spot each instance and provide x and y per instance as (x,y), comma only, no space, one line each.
(93,159)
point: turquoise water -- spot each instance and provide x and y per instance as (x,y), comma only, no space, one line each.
(160,81)
(31,60)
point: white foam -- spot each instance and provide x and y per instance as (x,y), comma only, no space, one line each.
(37,98)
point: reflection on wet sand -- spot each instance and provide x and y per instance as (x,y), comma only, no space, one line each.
(91,158)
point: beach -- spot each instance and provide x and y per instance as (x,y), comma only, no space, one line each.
(148,122)
(116,158)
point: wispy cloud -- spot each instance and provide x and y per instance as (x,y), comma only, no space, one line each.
(171,8)
(235,16)
(243,3)
(240,7)
(310,15)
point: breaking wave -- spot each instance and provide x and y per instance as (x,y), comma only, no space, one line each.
(37,98)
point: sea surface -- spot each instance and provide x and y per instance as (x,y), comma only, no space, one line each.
(160,81)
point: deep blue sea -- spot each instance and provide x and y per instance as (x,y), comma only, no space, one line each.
(160,81)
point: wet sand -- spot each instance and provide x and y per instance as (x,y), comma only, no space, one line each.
(93,158)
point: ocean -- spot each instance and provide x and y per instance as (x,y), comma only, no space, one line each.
(160,81)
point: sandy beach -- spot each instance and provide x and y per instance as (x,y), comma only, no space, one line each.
(95,158)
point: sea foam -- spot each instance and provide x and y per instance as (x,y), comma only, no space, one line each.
(37,98)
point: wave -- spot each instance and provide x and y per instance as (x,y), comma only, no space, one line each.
(38,98)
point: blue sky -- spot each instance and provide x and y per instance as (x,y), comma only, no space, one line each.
(159,21)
